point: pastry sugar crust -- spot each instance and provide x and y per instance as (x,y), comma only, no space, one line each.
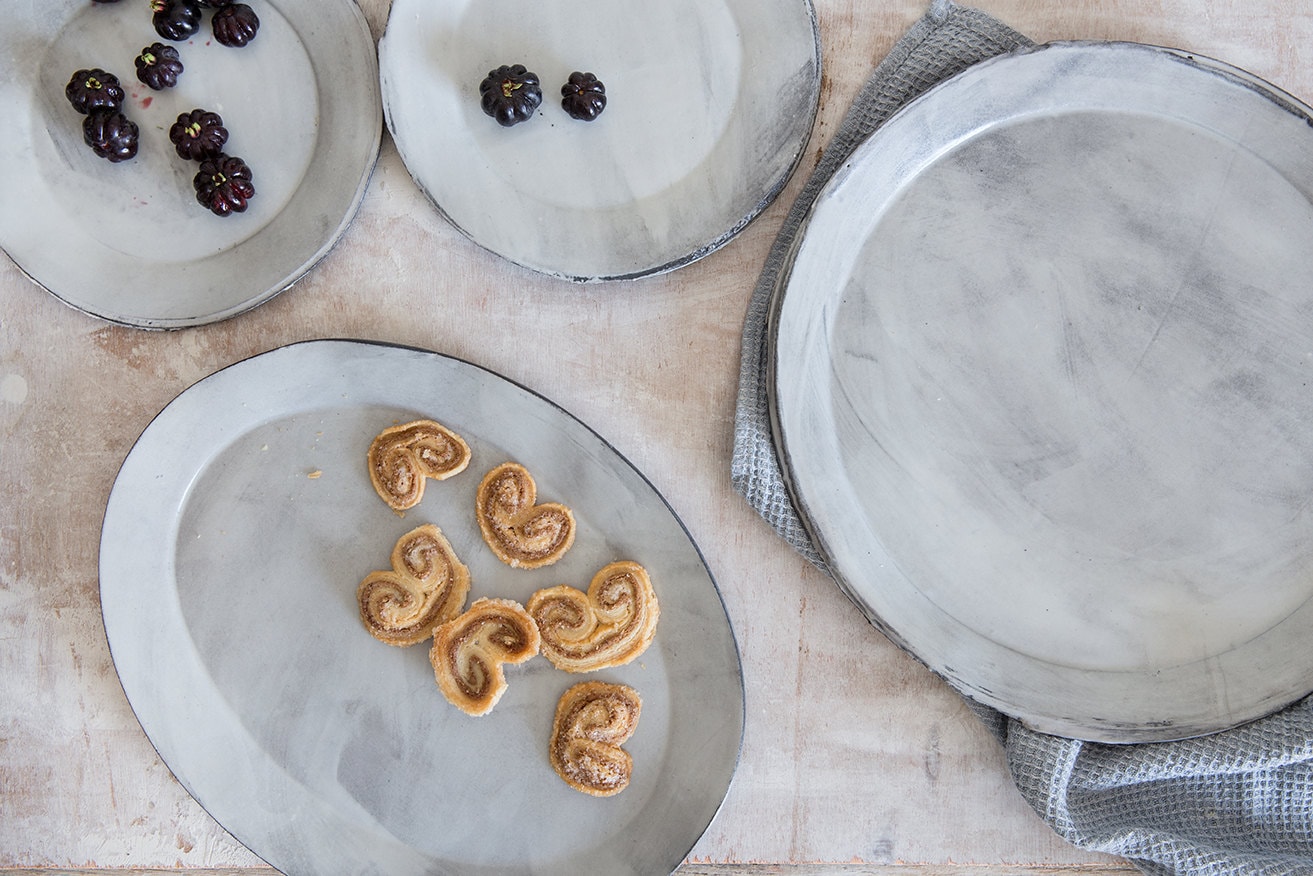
(522,533)
(608,626)
(469,652)
(402,458)
(593,719)
(426,586)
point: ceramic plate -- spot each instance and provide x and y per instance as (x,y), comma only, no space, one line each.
(128,242)
(234,539)
(1041,379)
(709,107)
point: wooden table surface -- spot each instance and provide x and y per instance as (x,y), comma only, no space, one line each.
(855,758)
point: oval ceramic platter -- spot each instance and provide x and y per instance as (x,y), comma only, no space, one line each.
(1041,387)
(128,242)
(235,536)
(709,106)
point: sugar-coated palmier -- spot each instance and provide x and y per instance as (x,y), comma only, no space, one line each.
(403,457)
(469,652)
(426,586)
(522,533)
(608,626)
(593,719)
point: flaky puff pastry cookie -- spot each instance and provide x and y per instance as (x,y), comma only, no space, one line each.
(469,651)
(593,719)
(522,533)
(403,457)
(609,625)
(426,586)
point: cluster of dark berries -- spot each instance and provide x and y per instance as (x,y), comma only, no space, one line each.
(511,94)
(158,65)
(98,95)
(223,182)
(233,24)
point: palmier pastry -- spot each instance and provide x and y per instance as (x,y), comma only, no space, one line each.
(402,457)
(469,650)
(426,586)
(609,625)
(521,533)
(593,719)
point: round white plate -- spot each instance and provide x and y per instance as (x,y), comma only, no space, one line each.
(128,242)
(709,106)
(234,539)
(1041,383)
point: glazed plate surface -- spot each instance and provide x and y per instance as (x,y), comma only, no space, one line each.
(709,106)
(128,242)
(235,536)
(1041,388)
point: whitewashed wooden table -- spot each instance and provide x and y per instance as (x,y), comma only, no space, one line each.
(855,760)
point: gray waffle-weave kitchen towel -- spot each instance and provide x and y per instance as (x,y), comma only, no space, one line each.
(1238,802)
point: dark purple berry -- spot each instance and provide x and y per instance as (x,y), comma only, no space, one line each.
(110,134)
(235,24)
(94,89)
(510,94)
(198,135)
(159,66)
(223,185)
(583,96)
(175,19)
(214,4)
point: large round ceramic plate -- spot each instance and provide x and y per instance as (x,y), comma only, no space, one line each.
(710,103)
(128,242)
(234,539)
(1041,383)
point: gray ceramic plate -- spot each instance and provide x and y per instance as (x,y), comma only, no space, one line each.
(128,242)
(1041,381)
(709,107)
(235,535)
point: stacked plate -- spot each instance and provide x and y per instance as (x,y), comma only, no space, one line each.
(1040,381)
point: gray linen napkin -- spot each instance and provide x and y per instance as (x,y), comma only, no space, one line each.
(1238,802)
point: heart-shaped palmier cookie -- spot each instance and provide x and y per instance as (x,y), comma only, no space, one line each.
(469,651)
(426,586)
(522,533)
(593,719)
(402,457)
(609,625)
